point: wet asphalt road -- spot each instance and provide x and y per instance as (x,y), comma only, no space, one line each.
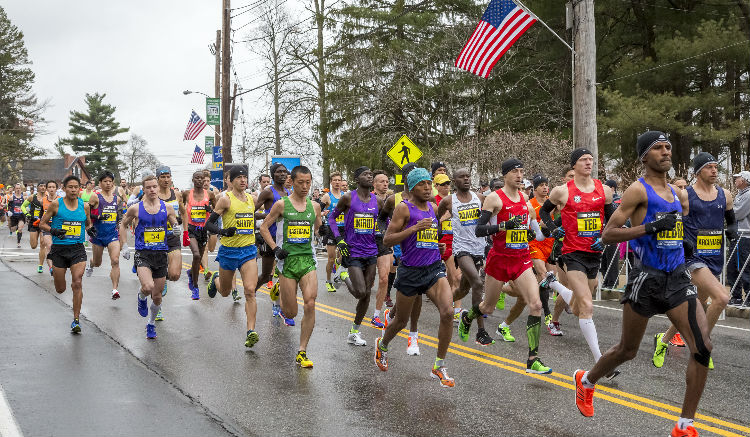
(197,378)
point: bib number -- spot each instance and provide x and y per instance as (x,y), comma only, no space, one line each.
(447,227)
(340,220)
(298,232)
(153,236)
(245,222)
(709,242)
(589,224)
(17,210)
(516,239)
(198,214)
(468,215)
(428,238)
(363,223)
(72,230)
(112,211)
(36,213)
(671,239)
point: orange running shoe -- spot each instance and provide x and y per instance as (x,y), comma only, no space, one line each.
(441,373)
(584,396)
(381,356)
(269,284)
(677,340)
(687,432)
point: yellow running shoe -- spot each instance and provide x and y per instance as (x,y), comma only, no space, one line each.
(303,361)
(275,292)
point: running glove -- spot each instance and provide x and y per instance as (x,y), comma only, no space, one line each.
(557,233)
(597,245)
(228,232)
(515,222)
(125,251)
(92,232)
(530,235)
(185,239)
(343,247)
(280,253)
(57,232)
(666,223)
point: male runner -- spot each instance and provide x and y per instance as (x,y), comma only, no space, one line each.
(88,190)
(69,215)
(32,209)
(212,238)
(464,208)
(385,253)
(174,255)
(293,247)
(237,250)
(415,227)
(710,206)
(509,259)
(198,202)
(554,326)
(104,206)
(358,248)
(150,257)
(329,201)
(442,183)
(17,216)
(584,203)
(541,250)
(659,283)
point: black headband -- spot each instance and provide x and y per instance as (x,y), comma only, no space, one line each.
(647,140)
(510,164)
(237,171)
(360,170)
(576,155)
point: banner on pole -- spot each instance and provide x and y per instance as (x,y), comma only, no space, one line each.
(218,158)
(212,111)
(209,146)
(217,179)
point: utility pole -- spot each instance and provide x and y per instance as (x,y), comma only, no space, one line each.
(226,119)
(217,81)
(584,82)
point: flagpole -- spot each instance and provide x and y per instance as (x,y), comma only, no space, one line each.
(208,125)
(544,24)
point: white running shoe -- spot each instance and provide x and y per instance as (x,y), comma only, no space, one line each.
(89,271)
(356,339)
(554,329)
(412,347)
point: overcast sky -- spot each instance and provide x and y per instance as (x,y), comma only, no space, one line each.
(141,53)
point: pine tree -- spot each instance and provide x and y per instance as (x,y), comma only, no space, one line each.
(93,134)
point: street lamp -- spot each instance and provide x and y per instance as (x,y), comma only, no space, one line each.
(186,92)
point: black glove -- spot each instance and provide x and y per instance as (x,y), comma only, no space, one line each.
(104,217)
(228,232)
(92,232)
(558,233)
(597,245)
(515,222)
(530,235)
(280,253)
(666,223)
(546,232)
(57,232)
(732,234)
(688,247)
(342,246)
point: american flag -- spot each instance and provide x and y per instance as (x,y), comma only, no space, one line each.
(502,24)
(194,127)
(198,155)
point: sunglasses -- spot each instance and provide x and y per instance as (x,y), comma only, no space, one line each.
(444,184)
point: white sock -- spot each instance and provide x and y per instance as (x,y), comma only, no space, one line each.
(388,316)
(562,290)
(457,310)
(141,296)
(152,315)
(114,290)
(413,334)
(589,332)
(684,423)
(503,325)
(585,381)
(376,314)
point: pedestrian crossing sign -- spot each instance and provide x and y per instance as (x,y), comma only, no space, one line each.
(404,152)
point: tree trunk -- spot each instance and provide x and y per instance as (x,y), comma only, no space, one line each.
(322,102)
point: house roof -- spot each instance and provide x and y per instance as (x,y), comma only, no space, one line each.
(49,169)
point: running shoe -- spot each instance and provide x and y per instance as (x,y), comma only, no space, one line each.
(500,302)
(464,325)
(584,396)
(547,319)
(687,432)
(201,269)
(441,373)
(212,285)
(388,302)
(385,318)
(303,361)
(196,294)
(381,355)
(89,271)
(251,339)
(344,275)
(207,275)
(39,269)
(330,287)
(150,331)
(142,306)
(159,316)
(275,273)
(276,310)
(660,351)
(269,284)
(456,316)
(376,323)
(190,279)
(236,295)
(677,340)
(287,321)
(483,338)
(554,329)
(50,272)
(537,366)
(75,327)
(504,332)
(711,363)
(164,290)
(612,375)
(412,346)
(548,279)
(115,294)
(274,293)
(355,338)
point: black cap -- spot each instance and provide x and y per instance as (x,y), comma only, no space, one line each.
(611,184)
(407,168)
(236,171)
(437,165)
(360,170)
(510,164)
(539,179)
(701,160)
(577,153)
(647,140)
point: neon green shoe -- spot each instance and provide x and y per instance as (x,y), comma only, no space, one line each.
(252,338)
(159,317)
(464,324)
(274,293)
(501,302)
(660,351)
(236,295)
(711,363)
(547,319)
(537,367)
(39,269)
(504,332)
(344,276)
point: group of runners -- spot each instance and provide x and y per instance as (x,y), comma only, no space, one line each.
(424,240)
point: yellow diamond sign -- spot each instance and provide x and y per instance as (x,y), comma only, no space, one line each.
(404,152)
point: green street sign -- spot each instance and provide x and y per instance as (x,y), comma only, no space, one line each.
(212,111)
(209,146)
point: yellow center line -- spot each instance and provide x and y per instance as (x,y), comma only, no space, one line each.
(520,368)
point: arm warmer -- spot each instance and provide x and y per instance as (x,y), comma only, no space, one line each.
(609,209)
(212,225)
(731,220)
(545,212)
(484,229)
(534,226)
(332,222)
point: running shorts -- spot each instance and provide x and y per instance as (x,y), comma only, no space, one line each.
(15,218)
(297,266)
(359,262)
(199,234)
(104,240)
(586,262)
(32,227)
(173,242)
(64,256)
(477,259)
(505,268)
(413,281)
(383,250)
(541,249)
(650,291)
(331,240)
(232,258)
(155,260)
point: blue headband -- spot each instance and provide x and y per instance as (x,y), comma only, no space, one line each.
(416,176)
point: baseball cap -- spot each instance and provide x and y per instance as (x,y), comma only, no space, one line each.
(441,179)
(527,184)
(163,169)
(744,175)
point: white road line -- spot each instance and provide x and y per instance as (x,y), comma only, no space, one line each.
(664,317)
(8,425)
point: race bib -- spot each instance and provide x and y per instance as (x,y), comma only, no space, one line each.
(468,215)
(709,242)
(589,224)
(72,229)
(364,223)
(516,239)
(36,213)
(198,214)
(447,226)
(298,231)
(671,239)
(17,210)
(428,238)
(112,211)
(245,222)
(153,236)
(377,230)
(340,220)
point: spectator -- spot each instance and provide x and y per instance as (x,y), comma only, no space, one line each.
(741,246)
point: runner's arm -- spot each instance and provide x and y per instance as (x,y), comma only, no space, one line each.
(276,211)
(318,219)
(396,232)
(614,232)
(171,217)
(44,225)
(128,219)
(212,224)
(341,208)
(25,206)
(492,205)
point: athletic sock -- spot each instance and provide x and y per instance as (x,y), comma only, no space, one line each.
(152,315)
(18,237)
(589,332)
(457,310)
(683,423)
(413,334)
(376,314)
(533,328)
(391,278)
(355,328)
(439,362)
(562,290)
(585,381)
(474,312)
(141,296)
(505,325)
(544,296)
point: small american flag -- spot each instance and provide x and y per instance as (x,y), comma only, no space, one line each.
(194,127)
(198,155)
(502,24)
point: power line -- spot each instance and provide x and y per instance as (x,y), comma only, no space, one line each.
(687,11)
(257,18)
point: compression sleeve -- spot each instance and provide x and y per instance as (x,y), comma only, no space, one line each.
(484,229)
(545,212)
(534,226)
(609,209)
(731,220)
(332,221)
(212,225)
(25,206)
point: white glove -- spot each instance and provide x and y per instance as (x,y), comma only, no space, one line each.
(125,251)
